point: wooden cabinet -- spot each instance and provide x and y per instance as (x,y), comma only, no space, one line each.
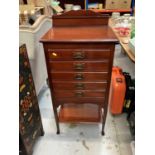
(79,60)
(30,125)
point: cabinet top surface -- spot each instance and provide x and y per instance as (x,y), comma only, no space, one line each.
(80,34)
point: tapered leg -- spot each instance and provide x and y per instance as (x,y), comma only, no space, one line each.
(55,111)
(42,131)
(102,133)
(56,120)
(104,119)
(47,81)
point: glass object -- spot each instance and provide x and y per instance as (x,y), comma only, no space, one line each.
(124,30)
(117,23)
(115,14)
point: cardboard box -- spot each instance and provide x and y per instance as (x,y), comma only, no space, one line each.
(118,4)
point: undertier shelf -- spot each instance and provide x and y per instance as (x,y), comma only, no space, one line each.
(80,113)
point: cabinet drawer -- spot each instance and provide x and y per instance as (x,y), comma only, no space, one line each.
(79,94)
(79,65)
(64,54)
(58,85)
(79,76)
(82,100)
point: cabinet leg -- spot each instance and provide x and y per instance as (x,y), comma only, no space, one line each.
(42,132)
(58,128)
(58,132)
(56,120)
(102,133)
(103,120)
(47,81)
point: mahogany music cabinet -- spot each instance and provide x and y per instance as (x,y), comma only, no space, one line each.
(79,52)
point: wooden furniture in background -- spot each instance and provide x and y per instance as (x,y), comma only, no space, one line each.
(30,124)
(79,53)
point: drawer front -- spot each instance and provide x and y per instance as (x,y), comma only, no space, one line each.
(79,94)
(79,76)
(79,66)
(58,85)
(73,55)
(96,100)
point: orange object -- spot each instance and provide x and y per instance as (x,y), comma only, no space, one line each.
(117,91)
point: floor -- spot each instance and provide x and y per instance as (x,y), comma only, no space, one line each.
(85,139)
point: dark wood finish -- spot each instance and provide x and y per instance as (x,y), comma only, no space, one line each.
(80,54)
(79,76)
(80,113)
(79,93)
(30,124)
(98,34)
(80,18)
(71,85)
(80,100)
(83,45)
(86,66)
(79,61)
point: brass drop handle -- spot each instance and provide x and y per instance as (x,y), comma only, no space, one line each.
(79,77)
(125,2)
(78,55)
(53,54)
(79,94)
(79,86)
(79,66)
(112,2)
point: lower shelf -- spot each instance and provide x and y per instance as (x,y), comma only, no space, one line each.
(80,113)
